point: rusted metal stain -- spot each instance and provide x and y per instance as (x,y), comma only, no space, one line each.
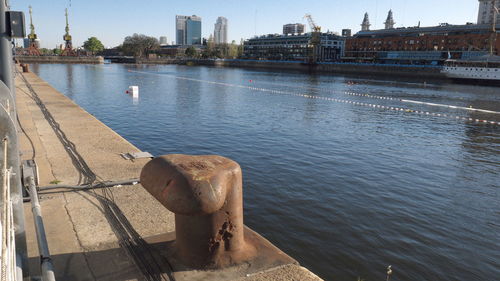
(205,193)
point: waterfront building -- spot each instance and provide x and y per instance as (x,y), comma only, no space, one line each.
(365,25)
(421,45)
(293,28)
(163,40)
(486,11)
(188,30)
(346,33)
(293,47)
(220,31)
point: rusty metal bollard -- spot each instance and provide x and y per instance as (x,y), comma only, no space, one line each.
(26,67)
(206,195)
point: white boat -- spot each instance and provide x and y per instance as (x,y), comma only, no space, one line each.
(480,69)
(485,68)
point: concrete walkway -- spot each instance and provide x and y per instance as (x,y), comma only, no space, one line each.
(87,243)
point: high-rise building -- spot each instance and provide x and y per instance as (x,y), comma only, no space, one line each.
(163,41)
(188,30)
(487,11)
(220,31)
(180,30)
(293,28)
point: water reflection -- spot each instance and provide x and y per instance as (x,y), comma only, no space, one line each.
(344,189)
(69,81)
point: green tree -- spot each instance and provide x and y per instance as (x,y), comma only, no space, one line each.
(191,52)
(57,51)
(93,45)
(140,45)
(45,51)
(233,50)
(209,50)
(241,48)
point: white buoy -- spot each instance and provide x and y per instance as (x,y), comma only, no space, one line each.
(134,91)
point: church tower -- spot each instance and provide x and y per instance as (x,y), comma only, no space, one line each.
(365,26)
(389,22)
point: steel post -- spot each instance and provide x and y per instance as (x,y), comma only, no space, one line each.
(5,48)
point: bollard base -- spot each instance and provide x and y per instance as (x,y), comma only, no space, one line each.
(26,68)
(269,256)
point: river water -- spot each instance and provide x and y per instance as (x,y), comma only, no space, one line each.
(340,184)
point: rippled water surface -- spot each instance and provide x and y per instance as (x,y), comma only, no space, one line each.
(346,189)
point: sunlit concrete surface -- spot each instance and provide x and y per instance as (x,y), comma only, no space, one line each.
(82,242)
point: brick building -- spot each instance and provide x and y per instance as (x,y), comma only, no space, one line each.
(421,45)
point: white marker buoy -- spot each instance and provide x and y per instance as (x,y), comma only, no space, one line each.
(134,91)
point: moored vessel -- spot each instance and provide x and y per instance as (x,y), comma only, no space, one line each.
(485,68)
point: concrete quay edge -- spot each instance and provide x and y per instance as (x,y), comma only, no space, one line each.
(60,59)
(82,241)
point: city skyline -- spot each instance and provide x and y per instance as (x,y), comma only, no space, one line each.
(111,24)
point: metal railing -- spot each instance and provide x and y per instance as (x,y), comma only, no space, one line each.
(11,195)
(13,241)
(7,235)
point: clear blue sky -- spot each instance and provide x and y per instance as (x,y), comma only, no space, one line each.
(112,21)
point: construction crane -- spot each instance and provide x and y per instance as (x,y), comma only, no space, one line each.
(315,42)
(68,47)
(312,24)
(33,48)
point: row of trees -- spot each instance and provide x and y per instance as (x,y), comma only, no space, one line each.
(92,46)
(140,45)
(213,50)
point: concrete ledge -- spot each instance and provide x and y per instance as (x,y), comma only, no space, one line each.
(83,240)
(60,59)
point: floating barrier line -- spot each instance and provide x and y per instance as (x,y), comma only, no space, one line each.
(452,106)
(394,99)
(400,109)
(423,103)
